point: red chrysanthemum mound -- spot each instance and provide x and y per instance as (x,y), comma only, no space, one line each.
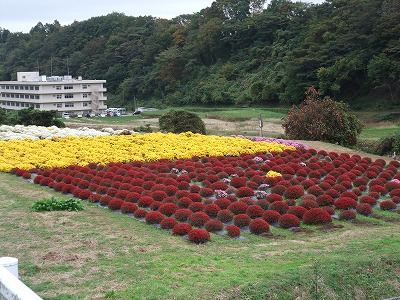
(168,223)
(233,230)
(238,182)
(140,213)
(212,210)
(154,217)
(316,216)
(223,203)
(128,207)
(213,225)
(271,216)
(368,199)
(145,201)
(364,209)
(288,221)
(308,204)
(238,207)
(279,206)
(168,209)
(241,220)
(181,229)
(199,236)
(387,205)
(225,215)
(258,226)
(254,211)
(244,192)
(395,192)
(273,197)
(298,211)
(115,204)
(198,219)
(182,214)
(294,192)
(345,203)
(347,215)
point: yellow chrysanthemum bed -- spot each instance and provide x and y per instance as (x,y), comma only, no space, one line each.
(62,152)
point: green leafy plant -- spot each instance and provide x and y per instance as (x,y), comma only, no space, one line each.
(181,121)
(51,204)
(324,120)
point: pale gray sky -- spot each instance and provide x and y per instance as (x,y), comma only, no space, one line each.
(22,15)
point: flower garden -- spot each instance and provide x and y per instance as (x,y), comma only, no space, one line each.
(193,185)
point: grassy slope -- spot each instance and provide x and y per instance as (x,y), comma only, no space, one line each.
(98,254)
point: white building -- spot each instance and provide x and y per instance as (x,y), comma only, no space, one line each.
(60,93)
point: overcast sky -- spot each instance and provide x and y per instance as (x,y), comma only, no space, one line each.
(22,15)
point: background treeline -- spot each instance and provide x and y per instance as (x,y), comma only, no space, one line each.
(236,52)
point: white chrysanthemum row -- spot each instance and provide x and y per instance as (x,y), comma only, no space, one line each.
(20,132)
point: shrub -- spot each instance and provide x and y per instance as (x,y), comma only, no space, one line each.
(154,217)
(322,120)
(213,225)
(345,203)
(199,236)
(181,229)
(181,121)
(233,230)
(387,205)
(198,219)
(128,207)
(258,226)
(241,220)
(368,199)
(51,204)
(347,215)
(316,216)
(115,204)
(329,210)
(324,200)
(289,220)
(196,206)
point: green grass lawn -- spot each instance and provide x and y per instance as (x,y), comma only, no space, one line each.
(98,254)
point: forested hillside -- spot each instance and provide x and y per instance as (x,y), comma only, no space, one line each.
(236,52)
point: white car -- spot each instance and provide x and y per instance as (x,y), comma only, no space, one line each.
(65,115)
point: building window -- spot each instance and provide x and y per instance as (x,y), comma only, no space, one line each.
(59,96)
(36,96)
(37,105)
(58,87)
(85,104)
(84,86)
(68,96)
(59,105)
(69,104)
(68,87)
(36,88)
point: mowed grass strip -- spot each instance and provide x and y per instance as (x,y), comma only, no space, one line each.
(97,254)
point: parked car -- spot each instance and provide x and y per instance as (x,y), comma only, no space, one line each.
(65,115)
